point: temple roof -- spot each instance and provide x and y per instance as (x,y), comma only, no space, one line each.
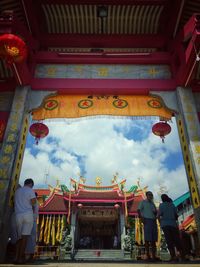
(189,224)
(58,203)
(58,200)
(181,199)
(96,196)
(42,192)
(55,204)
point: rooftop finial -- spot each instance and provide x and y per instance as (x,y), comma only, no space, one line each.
(98,181)
(115,178)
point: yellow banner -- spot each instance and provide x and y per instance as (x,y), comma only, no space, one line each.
(76,106)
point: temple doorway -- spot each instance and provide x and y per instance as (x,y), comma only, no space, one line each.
(99,231)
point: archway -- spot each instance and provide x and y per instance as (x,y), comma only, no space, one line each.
(127,150)
(156,106)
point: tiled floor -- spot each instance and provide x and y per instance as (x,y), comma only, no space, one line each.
(93,264)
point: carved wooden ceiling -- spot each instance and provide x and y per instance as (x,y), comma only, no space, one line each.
(106,26)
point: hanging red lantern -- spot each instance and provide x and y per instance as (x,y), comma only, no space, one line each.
(38,130)
(80,205)
(12,48)
(116,206)
(161,129)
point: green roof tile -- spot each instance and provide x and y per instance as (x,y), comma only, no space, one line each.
(181,199)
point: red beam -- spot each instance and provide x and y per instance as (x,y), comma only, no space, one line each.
(195,85)
(34,23)
(190,37)
(21,73)
(103,41)
(8,85)
(19,28)
(106,86)
(106,2)
(6,22)
(171,17)
(10,23)
(103,58)
(190,27)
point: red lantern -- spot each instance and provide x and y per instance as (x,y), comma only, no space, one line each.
(39,130)
(116,206)
(161,129)
(12,48)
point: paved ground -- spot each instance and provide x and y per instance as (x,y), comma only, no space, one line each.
(95,264)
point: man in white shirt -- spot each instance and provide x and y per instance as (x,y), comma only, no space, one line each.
(31,241)
(24,201)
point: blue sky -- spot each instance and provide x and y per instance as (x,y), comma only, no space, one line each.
(100,146)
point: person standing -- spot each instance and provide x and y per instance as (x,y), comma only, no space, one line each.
(115,242)
(23,205)
(167,216)
(31,241)
(148,214)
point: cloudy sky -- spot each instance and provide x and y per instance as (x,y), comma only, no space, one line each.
(103,146)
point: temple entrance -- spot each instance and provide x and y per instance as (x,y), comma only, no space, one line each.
(98,229)
(97,234)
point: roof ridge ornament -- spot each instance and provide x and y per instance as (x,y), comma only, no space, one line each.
(115,178)
(98,181)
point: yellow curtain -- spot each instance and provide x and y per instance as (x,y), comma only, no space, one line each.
(76,106)
(58,228)
(37,228)
(137,231)
(159,234)
(41,229)
(53,233)
(46,229)
(49,231)
(62,227)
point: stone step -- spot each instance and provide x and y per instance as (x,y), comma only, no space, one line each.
(112,255)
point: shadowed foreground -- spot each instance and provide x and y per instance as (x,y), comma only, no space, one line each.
(94,264)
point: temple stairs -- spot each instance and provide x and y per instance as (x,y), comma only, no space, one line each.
(101,255)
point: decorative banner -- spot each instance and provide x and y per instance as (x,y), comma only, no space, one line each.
(103,71)
(108,214)
(76,106)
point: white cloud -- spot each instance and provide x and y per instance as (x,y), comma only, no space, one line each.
(106,148)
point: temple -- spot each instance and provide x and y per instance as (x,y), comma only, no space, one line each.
(92,222)
(93,215)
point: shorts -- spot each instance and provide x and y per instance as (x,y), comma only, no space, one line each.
(150,230)
(24,224)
